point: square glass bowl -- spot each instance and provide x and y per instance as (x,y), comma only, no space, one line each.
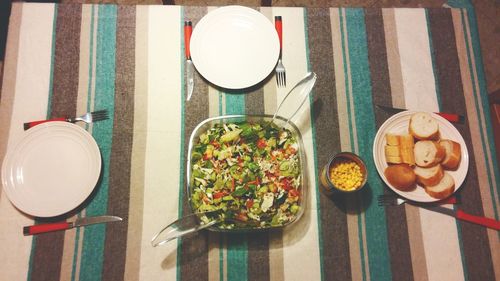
(280,122)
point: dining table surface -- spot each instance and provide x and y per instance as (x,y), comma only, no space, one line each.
(68,59)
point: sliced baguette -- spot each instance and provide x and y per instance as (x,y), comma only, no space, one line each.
(406,144)
(429,176)
(392,139)
(393,159)
(423,126)
(428,153)
(443,189)
(453,154)
(392,151)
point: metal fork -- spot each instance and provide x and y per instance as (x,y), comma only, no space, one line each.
(280,68)
(390,200)
(394,200)
(88,118)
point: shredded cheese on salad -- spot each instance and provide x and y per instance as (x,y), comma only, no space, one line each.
(249,171)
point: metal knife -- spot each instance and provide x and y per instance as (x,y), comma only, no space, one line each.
(49,227)
(188,29)
(461,215)
(452,117)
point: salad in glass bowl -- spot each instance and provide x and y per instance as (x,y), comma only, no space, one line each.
(249,168)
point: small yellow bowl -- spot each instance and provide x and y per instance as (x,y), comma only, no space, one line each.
(345,172)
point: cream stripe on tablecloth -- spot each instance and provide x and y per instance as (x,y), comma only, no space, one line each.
(137,177)
(161,184)
(276,266)
(302,237)
(398,99)
(467,83)
(34,53)
(420,94)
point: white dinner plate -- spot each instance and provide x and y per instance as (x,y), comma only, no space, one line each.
(52,169)
(234,47)
(398,124)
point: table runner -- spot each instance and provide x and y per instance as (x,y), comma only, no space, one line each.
(69,59)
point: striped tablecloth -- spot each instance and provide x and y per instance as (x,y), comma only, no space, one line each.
(69,59)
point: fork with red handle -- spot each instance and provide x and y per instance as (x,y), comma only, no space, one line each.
(88,118)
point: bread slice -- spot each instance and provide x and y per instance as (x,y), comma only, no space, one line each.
(428,153)
(392,151)
(392,139)
(443,189)
(423,126)
(400,176)
(453,154)
(393,160)
(406,144)
(429,176)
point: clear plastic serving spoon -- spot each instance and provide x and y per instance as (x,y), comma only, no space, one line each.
(194,222)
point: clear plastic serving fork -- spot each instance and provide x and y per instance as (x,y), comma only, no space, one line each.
(88,118)
(280,68)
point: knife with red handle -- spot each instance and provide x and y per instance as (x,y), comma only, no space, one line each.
(34,123)
(188,29)
(49,227)
(461,215)
(452,117)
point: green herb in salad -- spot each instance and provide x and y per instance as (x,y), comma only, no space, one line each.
(250,171)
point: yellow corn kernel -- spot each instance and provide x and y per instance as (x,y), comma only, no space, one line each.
(346,175)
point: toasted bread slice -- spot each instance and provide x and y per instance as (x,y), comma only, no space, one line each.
(392,139)
(443,189)
(423,126)
(401,176)
(429,176)
(428,153)
(453,154)
(393,159)
(392,151)
(406,144)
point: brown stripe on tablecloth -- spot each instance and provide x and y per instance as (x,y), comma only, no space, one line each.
(397,228)
(476,250)
(193,256)
(258,244)
(8,85)
(121,151)
(254,102)
(64,100)
(393,58)
(66,60)
(335,252)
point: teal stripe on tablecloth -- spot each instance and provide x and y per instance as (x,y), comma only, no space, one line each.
(181,148)
(351,135)
(237,244)
(433,59)
(49,109)
(375,224)
(93,243)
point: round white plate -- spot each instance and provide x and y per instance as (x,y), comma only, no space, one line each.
(52,169)
(234,47)
(398,124)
